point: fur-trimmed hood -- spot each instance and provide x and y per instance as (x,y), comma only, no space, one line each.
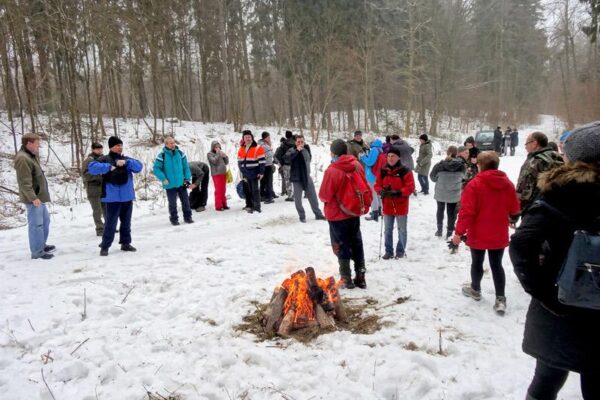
(578,172)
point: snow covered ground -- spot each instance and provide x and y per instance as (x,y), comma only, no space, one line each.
(163,319)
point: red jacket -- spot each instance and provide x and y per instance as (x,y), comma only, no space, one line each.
(486,204)
(332,182)
(397,178)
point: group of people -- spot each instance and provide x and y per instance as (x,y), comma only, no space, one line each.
(505,142)
(555,195)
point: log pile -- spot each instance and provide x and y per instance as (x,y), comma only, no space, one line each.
(304,301)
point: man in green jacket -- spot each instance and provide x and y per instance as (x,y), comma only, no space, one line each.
(93,186)
(33,192)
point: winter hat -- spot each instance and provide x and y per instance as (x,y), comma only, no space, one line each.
(288,134)
(113,141)
(247,132)
(583,144)
(564,136)
(265,135)
(97,145)
(424,137)
(338,147)
(394,150)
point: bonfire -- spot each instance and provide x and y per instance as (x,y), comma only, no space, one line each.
(304,301)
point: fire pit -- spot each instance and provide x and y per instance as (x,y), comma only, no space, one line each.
(304,301)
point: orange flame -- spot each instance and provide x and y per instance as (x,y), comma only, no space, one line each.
(298,298)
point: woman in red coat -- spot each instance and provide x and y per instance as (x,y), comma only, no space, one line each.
(488,203)
(395,184)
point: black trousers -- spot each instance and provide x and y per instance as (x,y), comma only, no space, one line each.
(547,382)
(346,239)
(495,258)
(199,195)
(266,184)
(252,193)
(450,212)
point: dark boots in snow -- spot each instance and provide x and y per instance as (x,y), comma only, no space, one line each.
(360,270)
(346,274)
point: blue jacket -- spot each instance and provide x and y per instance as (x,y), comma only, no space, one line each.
(173,166)
(112,192)
(369,160)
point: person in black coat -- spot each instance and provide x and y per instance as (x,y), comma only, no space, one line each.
(514,141)
(560,337)
(497,141)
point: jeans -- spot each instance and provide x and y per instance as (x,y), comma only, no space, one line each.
(312,198)
(220,182)
(38,226)
(495,259)
(346,240)
(424,182)
(172,195)
(547,382)
(375,203)
(117,211)
(451,210)
(266,184)
(388,223)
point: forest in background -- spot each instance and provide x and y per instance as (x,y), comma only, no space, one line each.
(309,64)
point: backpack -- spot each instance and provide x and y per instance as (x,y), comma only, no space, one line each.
(355,195)
(579,278)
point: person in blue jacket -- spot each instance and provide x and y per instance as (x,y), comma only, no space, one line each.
(373,163)
(171,168)
(117,193)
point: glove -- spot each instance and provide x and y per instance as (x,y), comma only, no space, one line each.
(453,247)
(384,192)
(395,193)
(186,183)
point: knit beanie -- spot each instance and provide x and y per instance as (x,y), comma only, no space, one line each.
(394,150)
(265,135)
(583,144)
(113,141)
(247,132)
(338,147)
(96,145)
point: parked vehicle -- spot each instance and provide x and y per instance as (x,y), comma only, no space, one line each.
(484,140)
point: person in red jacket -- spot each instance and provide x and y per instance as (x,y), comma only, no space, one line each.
(488,205)
(395,184)
(344,229)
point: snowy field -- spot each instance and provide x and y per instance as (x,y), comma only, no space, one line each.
(163,319)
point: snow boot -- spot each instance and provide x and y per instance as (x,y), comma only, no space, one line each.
(387,256)
(346,274)
(438,233)
(360,270)
(500,305)
(127,247)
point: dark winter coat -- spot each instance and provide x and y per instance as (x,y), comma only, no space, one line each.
(406,152)
(497,142)
(300,164)
(199,170)
(470,171)
(30,177)
(333,182)
(486,206)
(93,183)
(514,138)
(395,185)
(448,177)
(424,158)
(561,336)
(282,149)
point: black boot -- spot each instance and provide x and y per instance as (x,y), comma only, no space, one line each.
(346,274)
(359,269)
(438,233)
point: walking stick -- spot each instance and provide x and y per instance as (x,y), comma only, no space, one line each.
(381,226)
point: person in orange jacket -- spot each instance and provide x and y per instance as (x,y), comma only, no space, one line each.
(251,162)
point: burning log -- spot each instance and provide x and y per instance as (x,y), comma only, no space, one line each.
(274,310)
(304,301)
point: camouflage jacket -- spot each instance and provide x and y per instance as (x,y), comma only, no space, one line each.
(536,163)
(470,172)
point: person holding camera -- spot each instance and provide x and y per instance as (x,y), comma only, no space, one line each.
(395,184)
(171,168)
(118,193)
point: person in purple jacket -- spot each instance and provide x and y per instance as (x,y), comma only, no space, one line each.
(117,193)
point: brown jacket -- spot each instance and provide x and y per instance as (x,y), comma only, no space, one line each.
(30,177)
(93,183)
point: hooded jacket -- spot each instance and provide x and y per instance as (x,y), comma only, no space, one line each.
(172,165)
(561,336)
(448,177)
(355,148)
(218,161)
(487,204)
(424,158)
(406,152)
(400,181)
(332,183)
(268,152)
(372,161)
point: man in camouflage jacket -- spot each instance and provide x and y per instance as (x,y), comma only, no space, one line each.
(540,158)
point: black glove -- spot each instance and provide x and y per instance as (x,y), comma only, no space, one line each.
(186,183)
(453,247)
(384,192)
(395,193)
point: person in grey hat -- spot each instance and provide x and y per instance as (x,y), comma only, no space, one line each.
(560,337)
(93,186)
